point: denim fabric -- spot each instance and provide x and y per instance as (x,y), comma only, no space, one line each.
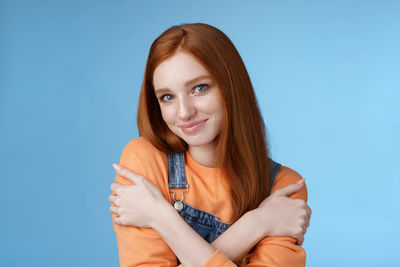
(205,224)
(176,170)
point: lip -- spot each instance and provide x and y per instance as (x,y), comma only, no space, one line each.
(192,127)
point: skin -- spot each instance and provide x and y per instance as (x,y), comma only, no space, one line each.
(277,215)
(182,103)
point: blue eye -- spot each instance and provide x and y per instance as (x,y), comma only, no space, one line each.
(201,88)
(166,97)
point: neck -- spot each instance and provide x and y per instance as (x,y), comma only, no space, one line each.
(205,155)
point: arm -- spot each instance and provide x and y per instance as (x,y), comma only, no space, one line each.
(277,215)
(280,251)
(189,247)
(235,242)
(140,245)
(277,251)
(151,245)
(137,200)
(271,251)
(133,203)
(240,237)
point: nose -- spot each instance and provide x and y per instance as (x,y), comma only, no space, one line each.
(186,109)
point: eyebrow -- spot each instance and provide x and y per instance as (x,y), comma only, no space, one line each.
(187,83)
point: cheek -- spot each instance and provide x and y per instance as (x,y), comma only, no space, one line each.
(219,111)
(216,106)
(167,115)
(220,119)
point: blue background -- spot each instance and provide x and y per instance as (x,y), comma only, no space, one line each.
(327,78)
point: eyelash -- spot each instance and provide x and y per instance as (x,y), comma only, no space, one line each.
(194,88)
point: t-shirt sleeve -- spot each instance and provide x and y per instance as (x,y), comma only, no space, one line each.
(272,251)
(283,250)
(141,246)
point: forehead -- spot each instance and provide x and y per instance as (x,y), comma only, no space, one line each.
(176,70)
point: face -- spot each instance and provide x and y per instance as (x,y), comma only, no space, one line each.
(190,101)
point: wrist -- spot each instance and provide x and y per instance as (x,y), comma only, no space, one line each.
(261,226)
(162,215)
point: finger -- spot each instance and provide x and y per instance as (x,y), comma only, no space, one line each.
(115,187)
(308,217)
(112,199)
(304,229)
(119,220)
(124,172)
(114,210)
(309,211)
(308,221)
(290,189)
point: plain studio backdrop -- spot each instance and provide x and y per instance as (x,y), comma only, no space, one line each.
(327,78)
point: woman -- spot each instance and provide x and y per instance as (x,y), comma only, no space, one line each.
(203,150)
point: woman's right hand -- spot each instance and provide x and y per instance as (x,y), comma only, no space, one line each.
(280,215)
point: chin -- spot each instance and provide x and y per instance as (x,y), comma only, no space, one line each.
(198,140)
(197,143)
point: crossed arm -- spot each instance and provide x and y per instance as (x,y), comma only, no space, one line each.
(235,242)
(169,231)
(186,244)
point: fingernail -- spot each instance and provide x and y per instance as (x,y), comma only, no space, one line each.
(301,181)
(117,167)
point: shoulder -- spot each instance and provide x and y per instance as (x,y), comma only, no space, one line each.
(140,145)
(140,148)
(287,176)
(142,157)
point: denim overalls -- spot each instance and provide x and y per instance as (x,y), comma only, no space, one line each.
(205,224)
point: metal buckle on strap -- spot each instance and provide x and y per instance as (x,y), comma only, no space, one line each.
(178,205)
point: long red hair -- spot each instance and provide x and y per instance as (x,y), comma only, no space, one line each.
(242,151)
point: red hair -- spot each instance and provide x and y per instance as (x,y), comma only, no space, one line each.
(241,151)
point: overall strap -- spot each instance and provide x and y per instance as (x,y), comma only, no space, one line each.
(177,175)
(176,171)
(274,168)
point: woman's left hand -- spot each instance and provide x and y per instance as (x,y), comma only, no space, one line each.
(135,205)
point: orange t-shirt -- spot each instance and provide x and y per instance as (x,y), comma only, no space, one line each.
(208,191)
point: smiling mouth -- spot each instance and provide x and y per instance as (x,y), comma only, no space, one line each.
(192,127)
